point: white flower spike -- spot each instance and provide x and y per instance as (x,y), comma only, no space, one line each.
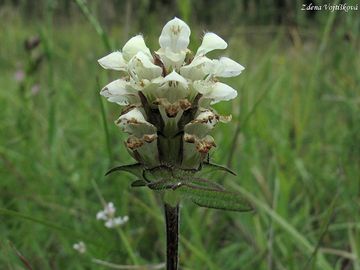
(167,95)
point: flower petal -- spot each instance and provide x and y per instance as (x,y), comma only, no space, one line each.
(225,67)
(172,60)
(116,91)
(196,149)
(202,124)
(207,117)
(195,70)
(133,46)
(216,91)
(173,87)
(101,215)
(113,61)
(176,77)
(134,122)
(211,42)
(134,115)
(141,67)
(175,35)
(222,92)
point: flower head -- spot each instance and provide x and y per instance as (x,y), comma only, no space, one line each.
(167,95)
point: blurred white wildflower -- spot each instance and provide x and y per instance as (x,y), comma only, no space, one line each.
(108,215)
(115,222)
(80,247)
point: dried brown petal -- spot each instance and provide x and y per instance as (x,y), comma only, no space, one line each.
(184,104)
(149,138)
(204,145)
(172,109)
(189,138)
(134,142)
(129,108)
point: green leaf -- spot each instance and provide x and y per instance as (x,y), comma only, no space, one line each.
(214,198)
(139,183)
(135,169)
(164,184)
(216,167)
(175,183)
(158,172)
(207,183)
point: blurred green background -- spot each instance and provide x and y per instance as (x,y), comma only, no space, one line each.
(294,140)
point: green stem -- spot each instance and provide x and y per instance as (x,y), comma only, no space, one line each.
(105,125)
(172,236)
(94,22)
(127,245)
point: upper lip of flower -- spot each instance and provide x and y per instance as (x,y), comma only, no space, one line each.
(175,36)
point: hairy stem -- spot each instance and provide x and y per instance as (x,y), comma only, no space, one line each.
(172,236)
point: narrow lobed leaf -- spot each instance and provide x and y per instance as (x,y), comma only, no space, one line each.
(213,198)
(216,167)
(139,183)
(135,169)
(164,184)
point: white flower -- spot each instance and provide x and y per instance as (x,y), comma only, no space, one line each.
(119,91)
(201,66)
(203,123)
(224,67)
(175,36)
(173,79)
(134,122)
(80,247)
(108,215)
(207,117)
(174,40)
(113,61)
(209,43)
(133,46)
(215,91)
(196,69)
(109,211)
(134,116)
(141,67)
(119,60)
(115,222)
